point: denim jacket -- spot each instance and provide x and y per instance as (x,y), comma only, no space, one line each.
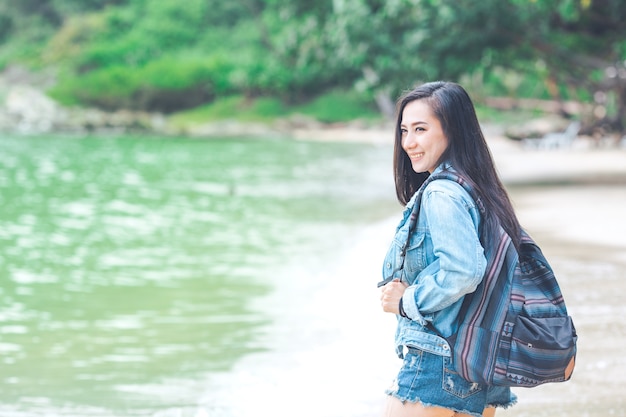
(444,261)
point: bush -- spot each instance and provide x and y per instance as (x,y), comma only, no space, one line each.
(339,106)
(108,89)
(234,107)
(331,107)
(168,84)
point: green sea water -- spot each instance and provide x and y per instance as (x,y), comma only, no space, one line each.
(131,268)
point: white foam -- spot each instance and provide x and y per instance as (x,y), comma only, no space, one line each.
(332,346)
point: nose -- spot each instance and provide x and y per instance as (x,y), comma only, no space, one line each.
(409,142)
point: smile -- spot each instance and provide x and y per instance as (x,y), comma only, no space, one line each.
(416,155)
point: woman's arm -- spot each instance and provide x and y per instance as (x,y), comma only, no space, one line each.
(459,263)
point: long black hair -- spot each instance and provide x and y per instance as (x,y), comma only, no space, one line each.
(467,152)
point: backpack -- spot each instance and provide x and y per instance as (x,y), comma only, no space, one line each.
(514,329)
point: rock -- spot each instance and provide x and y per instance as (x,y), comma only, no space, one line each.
(31,111)
(536,128)
(27,110)
(230,128)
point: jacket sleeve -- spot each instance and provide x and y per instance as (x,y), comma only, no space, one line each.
(459,261)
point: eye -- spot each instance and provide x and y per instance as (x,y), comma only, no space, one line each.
(420,129)
(403,131)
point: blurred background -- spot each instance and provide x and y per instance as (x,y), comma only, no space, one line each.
(196,196)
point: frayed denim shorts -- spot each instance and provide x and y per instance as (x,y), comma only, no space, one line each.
(429,379)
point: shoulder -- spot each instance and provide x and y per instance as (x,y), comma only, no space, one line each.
(446,202)
(448,189)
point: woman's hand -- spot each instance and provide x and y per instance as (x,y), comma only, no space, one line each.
(391,294)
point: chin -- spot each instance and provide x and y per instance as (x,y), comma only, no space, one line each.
(419,169)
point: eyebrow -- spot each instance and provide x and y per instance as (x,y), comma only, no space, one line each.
(419,122)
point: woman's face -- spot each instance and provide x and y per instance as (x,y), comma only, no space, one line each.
(422,137)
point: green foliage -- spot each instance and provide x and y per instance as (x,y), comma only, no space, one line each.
(163,84)
(505,117)
(169,55)
(339,106)
(334,106)
(109,89)
(22,35)
(136,35)
(6,26)
(71,8)
(232,107)
(67,43)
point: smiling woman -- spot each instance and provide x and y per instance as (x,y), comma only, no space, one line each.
(445,232)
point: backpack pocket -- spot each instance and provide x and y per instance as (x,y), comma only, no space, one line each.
(542,350)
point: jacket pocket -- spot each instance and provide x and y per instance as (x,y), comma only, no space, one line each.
(415,259)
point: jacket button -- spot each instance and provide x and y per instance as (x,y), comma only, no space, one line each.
(446,347)
(388,265)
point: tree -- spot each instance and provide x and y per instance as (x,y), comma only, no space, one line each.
(583,45)
(397,43)
(296,49)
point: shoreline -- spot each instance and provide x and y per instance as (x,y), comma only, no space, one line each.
(25,109)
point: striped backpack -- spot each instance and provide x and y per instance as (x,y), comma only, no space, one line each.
(514,329)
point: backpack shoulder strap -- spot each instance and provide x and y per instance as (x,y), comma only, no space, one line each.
(445,175)
(495,255)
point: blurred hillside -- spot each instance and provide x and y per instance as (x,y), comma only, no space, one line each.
(165,64)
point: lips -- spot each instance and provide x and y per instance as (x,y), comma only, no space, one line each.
(416,155)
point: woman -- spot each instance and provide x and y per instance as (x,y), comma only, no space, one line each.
(436,130)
